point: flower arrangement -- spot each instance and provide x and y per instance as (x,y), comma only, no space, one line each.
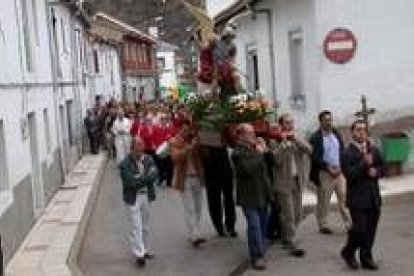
(212,114)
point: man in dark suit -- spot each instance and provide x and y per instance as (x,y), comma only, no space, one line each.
(326,171)
(363,166)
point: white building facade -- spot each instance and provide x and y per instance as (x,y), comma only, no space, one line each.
(167,69)
(280,47)
(46,82)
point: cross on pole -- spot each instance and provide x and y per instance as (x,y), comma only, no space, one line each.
(365,112)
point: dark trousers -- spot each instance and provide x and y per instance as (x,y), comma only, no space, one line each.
(274,226)
(94,143)
(362,234)
(256,219)
(219,193)
(165,168)
(219,188)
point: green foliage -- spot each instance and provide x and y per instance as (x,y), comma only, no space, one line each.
(213,114)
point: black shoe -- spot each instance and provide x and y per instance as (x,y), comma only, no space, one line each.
(349,260)
(369,264)
(233,234)
(198,242)
(259,265)
(326,231)
(274,237)
(221,234)
(298,252)
(149,256)
(141,262)
(288,245)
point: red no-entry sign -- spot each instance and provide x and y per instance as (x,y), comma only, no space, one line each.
(340,45)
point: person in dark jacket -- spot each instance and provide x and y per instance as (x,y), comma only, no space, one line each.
(363,166)
(326,171)
(139,176)
(254,190)
(92,129)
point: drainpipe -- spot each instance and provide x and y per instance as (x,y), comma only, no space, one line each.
(53,57)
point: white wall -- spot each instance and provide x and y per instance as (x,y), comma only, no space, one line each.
(288,15)
(168,77)
(383,67)
(108,80)
(16,100)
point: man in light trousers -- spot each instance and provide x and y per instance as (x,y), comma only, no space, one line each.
(188,179)
(326,171)
(139,176)
(290,153)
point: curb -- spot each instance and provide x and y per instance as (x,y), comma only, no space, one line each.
(52,245)
(80,233)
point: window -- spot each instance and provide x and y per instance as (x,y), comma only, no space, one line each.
(126,51)
(96,61)
(139,53)
(35,21)
(296,66)
(144,54)
(26,36)
(69,117)
(133,52)
(149,56)
(3,160)
(55,42)
(253,68)
(47,130)
(63,31)
(161,64)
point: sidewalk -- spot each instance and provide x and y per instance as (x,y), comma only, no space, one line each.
(393,190)
(51,247)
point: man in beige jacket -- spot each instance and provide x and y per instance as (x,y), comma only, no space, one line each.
(188,179)
(290,153)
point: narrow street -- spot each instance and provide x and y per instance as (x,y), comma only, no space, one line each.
(106,252)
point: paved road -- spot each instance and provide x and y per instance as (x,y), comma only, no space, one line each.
(394,248)
(106,253)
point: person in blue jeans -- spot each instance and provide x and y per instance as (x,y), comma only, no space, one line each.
(254,190)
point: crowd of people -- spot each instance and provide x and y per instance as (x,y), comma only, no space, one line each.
(265,176)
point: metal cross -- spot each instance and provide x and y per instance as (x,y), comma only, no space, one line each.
(365,112)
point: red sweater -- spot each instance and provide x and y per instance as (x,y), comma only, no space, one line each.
(145,131)
(162,133)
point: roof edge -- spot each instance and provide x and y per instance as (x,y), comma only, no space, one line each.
(128,28)
(234,9)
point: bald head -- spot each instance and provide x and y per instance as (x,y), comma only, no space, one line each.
(245,133)
(137,146)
